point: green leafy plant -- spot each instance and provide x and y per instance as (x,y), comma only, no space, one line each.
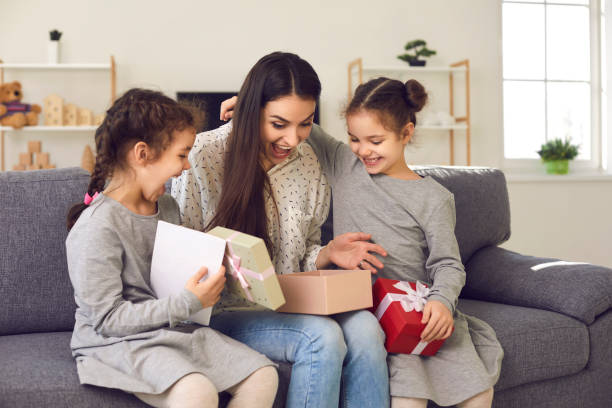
(558,149)
(55,35)
(419,48)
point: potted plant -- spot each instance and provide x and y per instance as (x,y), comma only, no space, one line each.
(420,49)
(53,48)
(556,155)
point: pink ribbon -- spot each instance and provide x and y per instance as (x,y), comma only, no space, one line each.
(88,199)
(239,272)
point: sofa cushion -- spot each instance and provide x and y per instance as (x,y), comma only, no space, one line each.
(481,204)
(35,291)
(538,344)
(38,370)
(581,291)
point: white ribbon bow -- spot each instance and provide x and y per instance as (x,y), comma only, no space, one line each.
(410,300)
(413,299)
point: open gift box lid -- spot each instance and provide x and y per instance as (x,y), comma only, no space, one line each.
(249,267)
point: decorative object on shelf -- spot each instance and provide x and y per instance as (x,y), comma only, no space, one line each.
(59,113)
(88,160)
(53,47)
(420,50)
(54,110)
(440,118)
(84,117)
(12,111)
(98,119)
(34,159)
(556,155)
(70,115)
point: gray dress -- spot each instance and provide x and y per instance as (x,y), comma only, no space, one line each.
(414,220)
(126,338)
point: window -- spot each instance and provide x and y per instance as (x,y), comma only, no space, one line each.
(551,77)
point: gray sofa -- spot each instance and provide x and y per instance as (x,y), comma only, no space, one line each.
(554,323)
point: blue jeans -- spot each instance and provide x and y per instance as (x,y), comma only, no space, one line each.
(323,351)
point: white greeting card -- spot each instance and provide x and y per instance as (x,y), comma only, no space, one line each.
(178,254)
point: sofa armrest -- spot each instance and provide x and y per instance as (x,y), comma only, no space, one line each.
(581,291)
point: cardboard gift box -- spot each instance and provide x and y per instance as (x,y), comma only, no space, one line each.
(398,306)
(248,263)
(326,292)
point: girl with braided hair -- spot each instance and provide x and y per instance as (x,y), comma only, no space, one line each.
(124,337)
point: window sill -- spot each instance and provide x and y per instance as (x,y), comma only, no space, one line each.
(514,176)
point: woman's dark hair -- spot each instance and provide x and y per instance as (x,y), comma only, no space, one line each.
(245,182)
(139,115)
(394,102)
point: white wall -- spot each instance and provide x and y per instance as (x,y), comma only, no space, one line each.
(209,46)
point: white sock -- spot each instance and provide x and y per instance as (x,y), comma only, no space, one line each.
(256,391)
(191,391)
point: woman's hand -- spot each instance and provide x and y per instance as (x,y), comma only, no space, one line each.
(439,321)
(208,291)
(227,108)
(351,251)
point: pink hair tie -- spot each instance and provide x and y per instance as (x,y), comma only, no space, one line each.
(88,199)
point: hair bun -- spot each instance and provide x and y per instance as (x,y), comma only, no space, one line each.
(415,94)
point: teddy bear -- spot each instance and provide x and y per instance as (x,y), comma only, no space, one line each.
(12,111)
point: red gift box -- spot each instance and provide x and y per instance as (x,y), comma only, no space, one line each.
(398,307)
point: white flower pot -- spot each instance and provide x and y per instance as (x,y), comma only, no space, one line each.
(53,52)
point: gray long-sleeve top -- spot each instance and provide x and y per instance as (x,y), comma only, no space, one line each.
(109,254)
(414,220)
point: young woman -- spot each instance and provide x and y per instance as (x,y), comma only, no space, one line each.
(255,175)
(124,337)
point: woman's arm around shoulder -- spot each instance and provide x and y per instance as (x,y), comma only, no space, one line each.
(333,154)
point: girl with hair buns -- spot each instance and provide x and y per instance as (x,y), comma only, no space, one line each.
(124,337)
(413,218)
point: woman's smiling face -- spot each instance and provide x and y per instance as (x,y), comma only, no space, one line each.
(285,123)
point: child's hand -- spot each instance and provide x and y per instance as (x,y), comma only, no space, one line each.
(352,251)
(208,291)
(227,108)
(439,321)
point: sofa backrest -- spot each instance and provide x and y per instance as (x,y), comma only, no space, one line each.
(35,290)
(481,204)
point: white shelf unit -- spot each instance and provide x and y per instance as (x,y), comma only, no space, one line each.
(111,66)
(56,66)
(460,67)
(49,128)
